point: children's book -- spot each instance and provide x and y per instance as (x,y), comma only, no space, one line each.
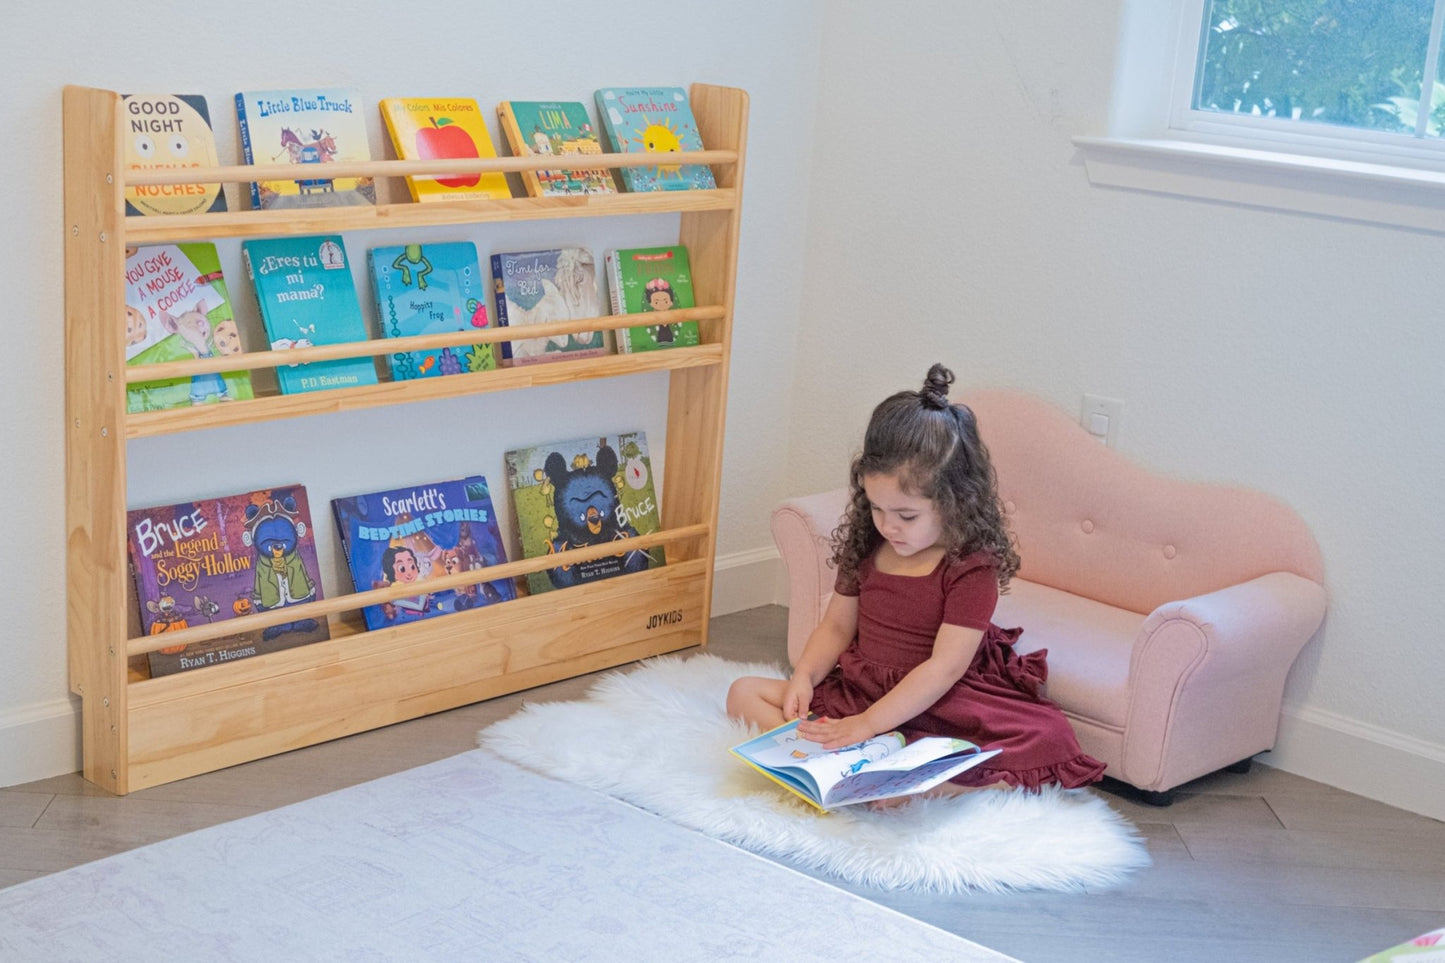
(883,767)
(532,287)
(215,559)
(306,127)
(561,128)
(169,132)
(307,296)
(177,308)
(580,493)
(438,128)
(431,289)
(651,279)
(648,120)
(416,534)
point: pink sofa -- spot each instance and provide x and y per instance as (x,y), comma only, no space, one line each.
(1172,611)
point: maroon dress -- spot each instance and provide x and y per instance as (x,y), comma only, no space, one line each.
(998,703)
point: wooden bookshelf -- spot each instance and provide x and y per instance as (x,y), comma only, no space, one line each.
(139,732)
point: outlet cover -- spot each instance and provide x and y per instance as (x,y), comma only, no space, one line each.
(1100,417)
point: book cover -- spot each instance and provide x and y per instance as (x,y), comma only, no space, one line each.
(431,289)
(307,296)
(646,120)
(438,128)
(560,128)
(531,287)
(169,132)
(218,558)
(883,767)
(420,533)
(176,308)
(580,493)
(651,279)
(312,126)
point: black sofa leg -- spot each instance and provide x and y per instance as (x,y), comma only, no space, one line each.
(1241,767)
(1160,799)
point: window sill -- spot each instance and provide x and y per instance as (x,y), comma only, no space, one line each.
(1350,190)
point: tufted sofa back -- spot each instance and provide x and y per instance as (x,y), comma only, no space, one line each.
(1092,523)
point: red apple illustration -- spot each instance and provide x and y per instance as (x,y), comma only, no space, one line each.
(445,139)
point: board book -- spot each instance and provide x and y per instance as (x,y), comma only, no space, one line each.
(169,132)
(651,279)
(438,128)
(560,128)
(883,767)
(532,287)
(431,289)
(307,296)
(310,128)
(177,308)
(580,493)
(421,533)
(647,120)
(214,559)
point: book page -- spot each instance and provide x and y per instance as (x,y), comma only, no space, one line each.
(783,750)
(884,781)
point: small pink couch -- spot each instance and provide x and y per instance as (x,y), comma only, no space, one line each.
(1171,611)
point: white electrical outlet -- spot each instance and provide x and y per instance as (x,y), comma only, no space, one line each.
(1100,417)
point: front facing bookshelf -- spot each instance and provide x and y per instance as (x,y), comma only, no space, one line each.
(139,732)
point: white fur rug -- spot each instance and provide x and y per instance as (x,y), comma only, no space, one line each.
(658,737)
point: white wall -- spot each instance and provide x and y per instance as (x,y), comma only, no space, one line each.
(952,220)
(564,50)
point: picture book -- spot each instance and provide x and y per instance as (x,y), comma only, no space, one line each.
(648,120)
(438,128)
(580,493)
(169,132)
(430,289)
(420,533)
(307,296)
(306,126)
(540,128)
(177,308)
(532,287)
(218,558)
(651,279)
(883,767)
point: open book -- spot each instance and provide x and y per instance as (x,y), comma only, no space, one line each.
(881,768)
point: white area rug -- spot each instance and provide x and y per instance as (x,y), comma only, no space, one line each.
(658,736)
(470,858)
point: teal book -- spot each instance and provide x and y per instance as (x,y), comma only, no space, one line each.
(431,289)
(653,120)
(642,279)
(307,297)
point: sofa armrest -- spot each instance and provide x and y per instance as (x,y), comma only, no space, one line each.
(1207,674)
(803,531)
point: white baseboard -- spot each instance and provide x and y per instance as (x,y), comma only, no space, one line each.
(1381,764)
(40,741)
(746,580)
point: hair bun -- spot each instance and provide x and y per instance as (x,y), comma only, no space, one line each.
(935,387)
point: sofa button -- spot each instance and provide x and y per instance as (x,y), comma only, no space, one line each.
(1088,527)
(1008,508)
(1169,551)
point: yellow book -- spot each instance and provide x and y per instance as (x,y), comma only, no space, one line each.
(437,128)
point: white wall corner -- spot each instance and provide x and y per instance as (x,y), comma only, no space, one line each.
(1377,763)
(747,580)
(39,741)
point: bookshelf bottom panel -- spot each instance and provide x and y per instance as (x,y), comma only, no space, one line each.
(201,721)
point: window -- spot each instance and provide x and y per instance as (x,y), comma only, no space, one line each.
(1334,107)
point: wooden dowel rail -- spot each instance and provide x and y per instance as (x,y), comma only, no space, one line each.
(356,600)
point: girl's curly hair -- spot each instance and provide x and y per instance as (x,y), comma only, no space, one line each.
(934,450)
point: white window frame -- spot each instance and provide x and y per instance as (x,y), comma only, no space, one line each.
(1156,143)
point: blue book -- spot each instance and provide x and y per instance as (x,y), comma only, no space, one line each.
(648,120)
(307,297)
(431,289)
(420,533)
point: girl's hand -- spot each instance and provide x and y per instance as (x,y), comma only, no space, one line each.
(797,697)
(836,733)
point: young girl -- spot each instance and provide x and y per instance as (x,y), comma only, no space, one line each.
(906,642)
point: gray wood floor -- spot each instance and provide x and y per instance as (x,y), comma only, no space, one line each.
(1257,866)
